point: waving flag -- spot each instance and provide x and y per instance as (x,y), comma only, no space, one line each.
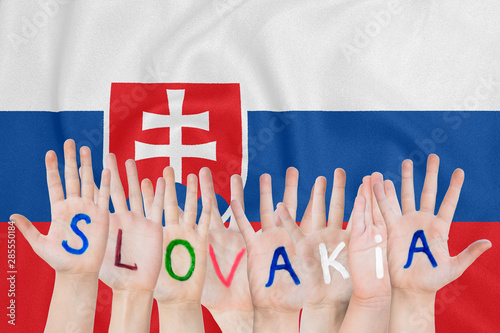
(249,87)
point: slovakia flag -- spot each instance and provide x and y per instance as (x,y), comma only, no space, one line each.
(252,87)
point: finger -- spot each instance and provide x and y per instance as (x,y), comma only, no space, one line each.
(290,194)
(71,170)
(29,232)
(191,205)
(358,217)
(392,197)
(367,194)
(117,194)
(87,175)
(134,190)
(96,194)
(242,221)
(236,194)
(103,201)
(290,225)
(266,203)
(156,211)
(337,200)
(349,223)
(207,190)
(206,216)
(95,189)
(318,207)
(170,200)
(450,200)
(306,223)
(429,191)
(384,205)
(54,184)
(148,195)
(407,190)
(462,261)
(376,178)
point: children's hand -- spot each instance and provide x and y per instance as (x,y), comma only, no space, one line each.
(226,292)
(135,243)
(432,269)
(77,237)
(368,244)
(322,286)
(182,275)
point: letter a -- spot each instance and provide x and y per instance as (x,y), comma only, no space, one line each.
(425,248)
(280,251)
(325,262)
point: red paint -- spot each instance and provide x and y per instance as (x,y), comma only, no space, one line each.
(226,282)
(118,253)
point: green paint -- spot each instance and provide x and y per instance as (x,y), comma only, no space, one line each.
(168,259)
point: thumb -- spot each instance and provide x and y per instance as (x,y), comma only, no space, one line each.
(29,232)
(469,255)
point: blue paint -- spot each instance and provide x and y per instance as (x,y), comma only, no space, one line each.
(425,248)
(280,251)
(74,227)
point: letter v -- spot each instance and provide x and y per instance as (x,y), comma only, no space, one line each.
(226,282)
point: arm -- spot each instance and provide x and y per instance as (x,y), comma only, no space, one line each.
(76,241)
(180,283)
(326,288)
(133,255)
(417,275)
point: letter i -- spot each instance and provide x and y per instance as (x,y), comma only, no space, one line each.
(379,265)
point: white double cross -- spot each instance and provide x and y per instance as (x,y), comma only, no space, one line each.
(176,151)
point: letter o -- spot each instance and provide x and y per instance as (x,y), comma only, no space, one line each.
(168,259)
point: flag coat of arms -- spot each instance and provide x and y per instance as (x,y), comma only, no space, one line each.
(250,87)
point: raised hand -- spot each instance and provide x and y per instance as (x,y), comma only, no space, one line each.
(370,274)
(276,292)
(371,297)
(182,276)
(134,263)
(326,289)
(226,292)
(133,256)
(76,242)
(77,237)
(419,260)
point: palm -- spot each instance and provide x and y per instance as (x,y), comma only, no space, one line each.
(96,232)
(421,275)
(317,292)
(227,245)
(141,245)
(362,262)
(436,233)
(283,293)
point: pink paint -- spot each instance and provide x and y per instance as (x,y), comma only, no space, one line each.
(226,282)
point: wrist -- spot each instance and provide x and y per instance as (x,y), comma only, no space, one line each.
(238,321)
(131,311)
(371,303)
(274,320)
(412,311)
(322,317)
(180,316)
